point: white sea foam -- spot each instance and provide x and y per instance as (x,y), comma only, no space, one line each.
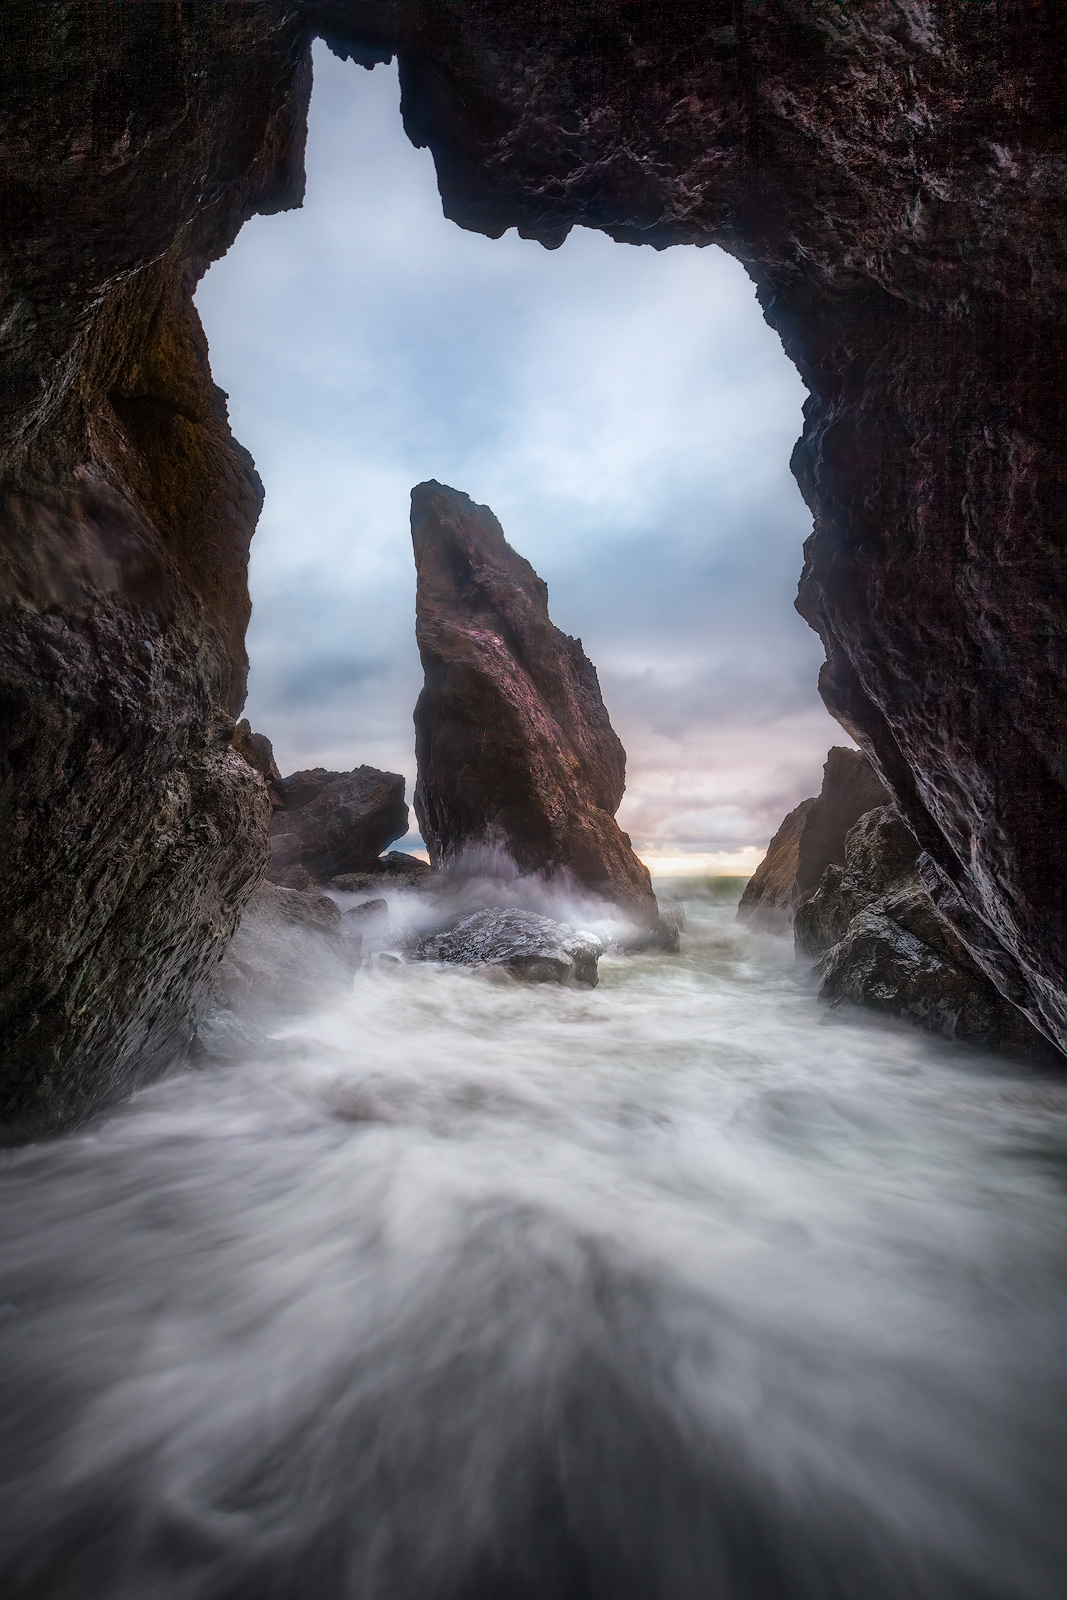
(677,1288)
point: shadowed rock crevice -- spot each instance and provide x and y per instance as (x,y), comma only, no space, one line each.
(848,875)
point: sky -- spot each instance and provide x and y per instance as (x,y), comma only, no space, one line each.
(627,414)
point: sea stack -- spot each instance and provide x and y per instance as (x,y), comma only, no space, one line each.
(514,747)
(811,838)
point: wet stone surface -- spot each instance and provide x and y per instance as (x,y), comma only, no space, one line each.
(529,946)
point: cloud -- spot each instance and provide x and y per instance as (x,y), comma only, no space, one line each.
(627,414)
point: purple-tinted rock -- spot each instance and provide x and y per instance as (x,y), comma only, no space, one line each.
(770,895)
(334,823)
(514,747)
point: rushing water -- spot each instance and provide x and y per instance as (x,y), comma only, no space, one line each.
(475,1291)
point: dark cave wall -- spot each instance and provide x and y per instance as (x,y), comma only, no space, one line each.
(136,140)
(890,172)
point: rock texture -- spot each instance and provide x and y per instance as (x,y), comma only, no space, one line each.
(850,788)
(531,947)
(892,176)
(881,943)
(769,897)
(395,869)
(334,823)
(257,750)
(809,840)
(134,143)
(514,747)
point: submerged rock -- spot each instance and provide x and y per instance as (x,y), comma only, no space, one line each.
(224,1036)
(811,838)
(529,946)
(288,954)
(334,823)
(515,750)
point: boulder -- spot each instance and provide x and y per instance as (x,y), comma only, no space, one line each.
(881,943)
(811,838)
(334,823)
(515,751)
(527,945)
(396,870)
(367,908)
(288,954)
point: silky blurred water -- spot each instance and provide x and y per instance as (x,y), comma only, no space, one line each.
(680,1287)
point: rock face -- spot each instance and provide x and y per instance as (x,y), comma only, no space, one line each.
(514,747)
(770,895)
(531,947)
(882,944)
(891,175)
(257,750)
(334,823)
(132,149)
(850,788)
(809,840)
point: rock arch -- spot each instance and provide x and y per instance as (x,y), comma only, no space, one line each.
(891,174)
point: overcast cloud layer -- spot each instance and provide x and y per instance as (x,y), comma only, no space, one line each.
(626,413)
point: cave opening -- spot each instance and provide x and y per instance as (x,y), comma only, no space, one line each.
(414,1268)
(627,414)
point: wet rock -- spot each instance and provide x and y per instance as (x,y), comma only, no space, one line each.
(131,832)
(369,908)
(396,868)
(527,945)
(880,964)
(811,838)
(224,1036)
(770,895)
(882,944)
(515,750)
(672,924)
(881,853)
(334,823)
(288,954)
(850,788)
